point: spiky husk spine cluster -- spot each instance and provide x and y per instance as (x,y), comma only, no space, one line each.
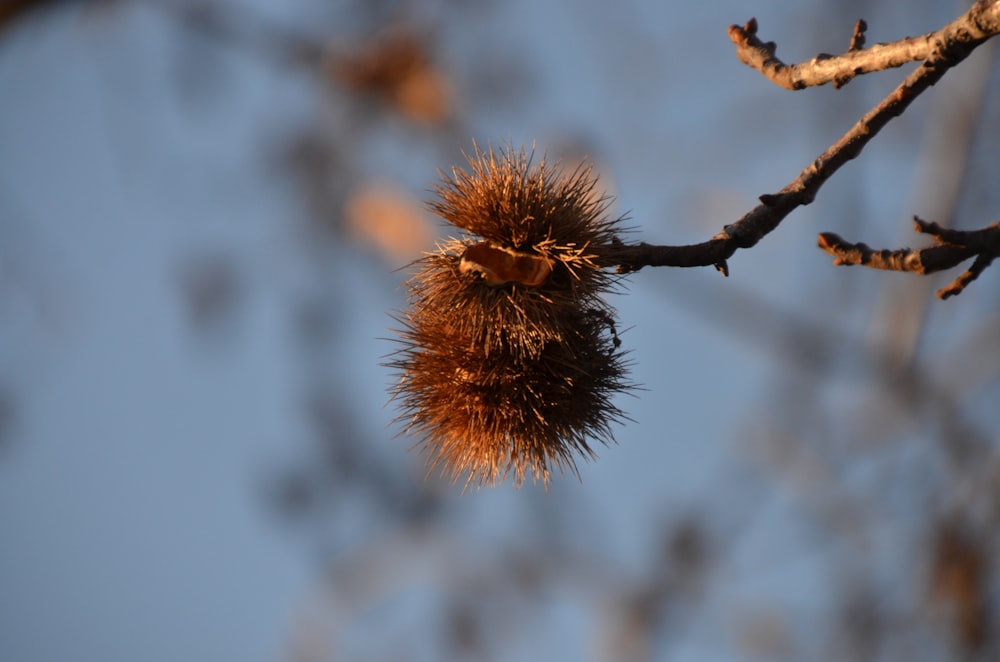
(514,379)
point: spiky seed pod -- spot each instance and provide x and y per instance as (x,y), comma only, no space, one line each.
(537,210)
(510,358)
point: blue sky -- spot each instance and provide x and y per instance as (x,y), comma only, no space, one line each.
(133,484)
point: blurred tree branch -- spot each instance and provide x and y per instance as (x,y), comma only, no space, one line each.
(395,66)
(16,10)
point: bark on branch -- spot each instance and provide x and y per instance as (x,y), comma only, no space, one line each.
(940,51)
(951,249)
(826,68)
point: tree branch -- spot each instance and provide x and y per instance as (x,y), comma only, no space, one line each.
(952,248)
(947,47)
(826,68)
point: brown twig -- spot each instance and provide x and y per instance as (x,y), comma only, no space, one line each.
(952,248)
(946,48)
(826,68)
(858,38)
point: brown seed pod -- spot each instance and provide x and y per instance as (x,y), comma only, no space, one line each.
(537,209)
(509,359)
(486,416)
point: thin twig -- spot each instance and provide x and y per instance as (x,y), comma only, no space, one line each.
(952,248)
(858,38)
(826,68)
(949,46)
